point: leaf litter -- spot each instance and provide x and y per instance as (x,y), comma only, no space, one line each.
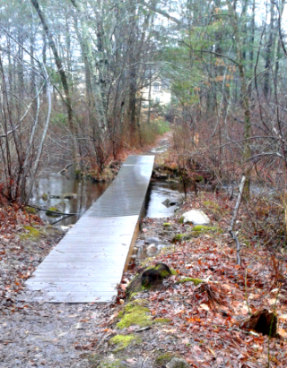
(204,321)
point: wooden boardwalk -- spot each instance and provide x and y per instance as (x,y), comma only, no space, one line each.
(89,261)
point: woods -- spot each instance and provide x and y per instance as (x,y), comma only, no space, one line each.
(87,63)
(200,85)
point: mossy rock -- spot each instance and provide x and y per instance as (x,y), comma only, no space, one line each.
(51,212)
(149,278)
(44,196)
(31,210)
(167,224)
(182,237)
(103,361)
(164,358)
(181,220)
(190,279)
(33,233)
(123,341)
(111,364)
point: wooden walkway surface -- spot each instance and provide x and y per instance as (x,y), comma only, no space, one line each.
(89,261)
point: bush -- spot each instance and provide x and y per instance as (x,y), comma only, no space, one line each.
(149,132)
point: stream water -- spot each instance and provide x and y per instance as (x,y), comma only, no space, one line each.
(55,186)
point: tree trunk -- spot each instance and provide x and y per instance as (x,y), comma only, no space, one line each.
(244,96)
(267,84)
(64,81)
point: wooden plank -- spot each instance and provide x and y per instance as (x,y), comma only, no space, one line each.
(89,261)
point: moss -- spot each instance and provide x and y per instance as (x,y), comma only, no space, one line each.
(111,364)
(32,234)
(167,224)
(195,232)
(44,197)
(178,237)
(211,204)
(181,220)
(206,229)
(51,212)
(163,359)
(162,320)
(190,279)
(31,210)
(133,295)
(135,313)
(78,174)
(198,178)
(181,237)
(123,341)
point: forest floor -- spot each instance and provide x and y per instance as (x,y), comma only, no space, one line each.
(200,323)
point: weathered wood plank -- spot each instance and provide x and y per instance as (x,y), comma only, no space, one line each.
(89,261)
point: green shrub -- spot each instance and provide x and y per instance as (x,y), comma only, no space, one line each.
(149,132)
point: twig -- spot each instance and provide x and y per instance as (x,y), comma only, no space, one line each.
(66,168)
(234,217)
(56,212)
(61,219)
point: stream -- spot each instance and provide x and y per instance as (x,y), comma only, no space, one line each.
(55,186)
(51,188)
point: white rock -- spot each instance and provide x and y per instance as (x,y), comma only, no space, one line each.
(197,217)
(152,249)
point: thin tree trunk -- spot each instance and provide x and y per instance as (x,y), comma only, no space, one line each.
(244,96)
(64,81)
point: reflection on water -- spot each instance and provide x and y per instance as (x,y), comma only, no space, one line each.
(159,192)
(53,183)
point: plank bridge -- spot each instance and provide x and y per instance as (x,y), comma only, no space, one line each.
(89,261)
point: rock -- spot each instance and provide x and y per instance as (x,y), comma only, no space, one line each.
(166,202)
(44,196)
(155,274)
(263,322)
(69,195)
(51,212)
(197,217)
(178,363)
(152,240)
(149,278)
(152,250)
(172,202)
(54,196)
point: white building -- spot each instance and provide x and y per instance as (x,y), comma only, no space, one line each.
(158,92)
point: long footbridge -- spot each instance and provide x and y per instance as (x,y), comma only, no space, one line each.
(89,261)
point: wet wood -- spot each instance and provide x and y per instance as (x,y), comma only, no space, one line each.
(89,261)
